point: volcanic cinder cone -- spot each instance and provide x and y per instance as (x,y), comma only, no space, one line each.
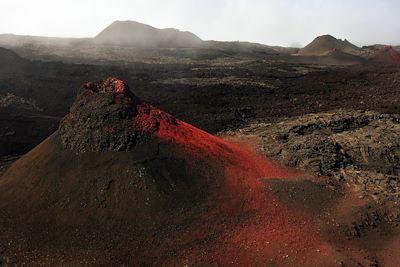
(111,152)
(326,43)
(124,183)
(135,34)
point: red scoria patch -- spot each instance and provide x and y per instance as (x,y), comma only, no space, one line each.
(257,228)
(111,84)
(388,54)
(394,55)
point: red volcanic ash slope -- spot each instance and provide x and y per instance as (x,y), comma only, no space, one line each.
(124,183)
(271,233)
(387,55)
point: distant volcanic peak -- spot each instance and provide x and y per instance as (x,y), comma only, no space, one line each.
(327,43)
(326,40)
(135,34)
(330,38)
(130,23)
(326,36)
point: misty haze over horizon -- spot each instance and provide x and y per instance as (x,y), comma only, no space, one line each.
(273,22)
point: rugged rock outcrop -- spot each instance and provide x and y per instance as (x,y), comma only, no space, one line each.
(10,100)
(107,116)
(359,147)
(101,118)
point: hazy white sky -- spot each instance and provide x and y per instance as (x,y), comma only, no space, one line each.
(274,22)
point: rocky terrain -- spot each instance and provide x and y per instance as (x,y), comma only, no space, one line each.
(12,101)
(358,147)
(145,188)
(97,123)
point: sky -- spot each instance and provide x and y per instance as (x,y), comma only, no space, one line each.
(272,22)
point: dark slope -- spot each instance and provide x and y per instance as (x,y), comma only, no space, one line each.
(338,57)
(21,129)
(10,61)
(326,43)
(22,124)
(8,57)
(132,33)
(332,58)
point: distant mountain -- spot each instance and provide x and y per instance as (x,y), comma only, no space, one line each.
(132,33)
(130,41)
(386,55)
(324,44)
(13,40)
